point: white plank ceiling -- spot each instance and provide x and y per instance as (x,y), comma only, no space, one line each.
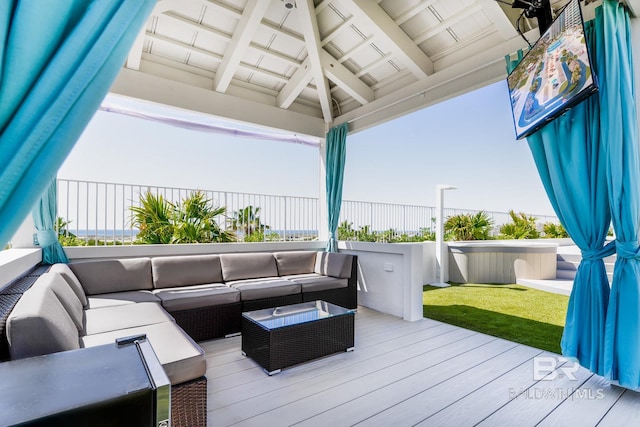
(305,65)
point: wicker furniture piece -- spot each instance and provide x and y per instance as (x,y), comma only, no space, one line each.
(175,298)
(280,337)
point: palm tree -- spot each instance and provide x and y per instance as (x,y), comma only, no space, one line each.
(194,221)
(153,219)
(247,220)
(469,226)
(191,221)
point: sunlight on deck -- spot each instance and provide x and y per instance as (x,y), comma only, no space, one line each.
(408,373)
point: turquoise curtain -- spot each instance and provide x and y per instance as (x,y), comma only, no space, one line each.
(511,63)
(44,218)
(572,167)
(336,157)
(588,163)
(57,61)
(570,156)
(620,136)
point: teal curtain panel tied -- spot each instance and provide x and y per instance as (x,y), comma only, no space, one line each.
(572,166)
(336,158)
(588,163)
(44,217)
(620,136)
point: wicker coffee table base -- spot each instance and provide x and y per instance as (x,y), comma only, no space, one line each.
(290,345)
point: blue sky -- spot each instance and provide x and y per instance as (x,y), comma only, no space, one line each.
(468,141)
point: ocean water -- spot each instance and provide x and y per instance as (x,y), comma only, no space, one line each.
(111,232)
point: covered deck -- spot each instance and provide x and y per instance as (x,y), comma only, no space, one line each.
(403,373)
(413,373)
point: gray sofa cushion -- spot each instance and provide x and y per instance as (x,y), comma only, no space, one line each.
(65,295)
(334,264)
(72,280)
(118,317)
(317,282)
(267,287)
(174,271)
(295,262)
(113,275)
(176,299)
(121,298)
(248,266)
(181,358)
(39,324)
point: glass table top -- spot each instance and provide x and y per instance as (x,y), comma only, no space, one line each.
(288,315)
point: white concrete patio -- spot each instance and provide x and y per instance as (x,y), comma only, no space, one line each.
(411,373)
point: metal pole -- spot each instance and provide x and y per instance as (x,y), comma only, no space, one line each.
(441,253)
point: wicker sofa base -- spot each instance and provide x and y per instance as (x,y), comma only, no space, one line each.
(259,304)
(341,297)
(210,322)
(189,403)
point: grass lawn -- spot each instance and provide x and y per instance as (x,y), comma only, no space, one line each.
(512,312)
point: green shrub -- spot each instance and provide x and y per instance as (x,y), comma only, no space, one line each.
(468,226)
(554,231)
(521,227)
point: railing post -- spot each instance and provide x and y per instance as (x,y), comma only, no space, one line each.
(285,218)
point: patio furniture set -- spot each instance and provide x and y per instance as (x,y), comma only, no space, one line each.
(175,301)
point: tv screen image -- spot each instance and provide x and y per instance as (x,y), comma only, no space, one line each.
(554,75)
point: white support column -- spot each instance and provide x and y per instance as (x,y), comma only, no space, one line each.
(323,223)
(442,253)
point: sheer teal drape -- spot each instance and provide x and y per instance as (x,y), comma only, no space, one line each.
(44,218)
(570,157)
(620,136)
(336,157)
(57,61)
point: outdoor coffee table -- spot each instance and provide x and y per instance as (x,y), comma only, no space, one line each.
(280,337)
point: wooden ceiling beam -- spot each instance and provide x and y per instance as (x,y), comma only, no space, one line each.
(392,36)
(309,24)
(295,85)
(239,43)
(498,18)
(135,54)
(215,56)
(404,17)
(340,75)
(634,7)
(226,37)
(442,26)
(162,90)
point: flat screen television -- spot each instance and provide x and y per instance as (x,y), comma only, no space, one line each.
(554,75)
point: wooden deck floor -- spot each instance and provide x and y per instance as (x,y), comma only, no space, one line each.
(423,373)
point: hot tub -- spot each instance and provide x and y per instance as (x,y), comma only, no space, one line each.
(501,261)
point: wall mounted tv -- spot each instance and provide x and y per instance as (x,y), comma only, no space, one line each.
(554,75)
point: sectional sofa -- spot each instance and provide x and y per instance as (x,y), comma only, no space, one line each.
(174,301)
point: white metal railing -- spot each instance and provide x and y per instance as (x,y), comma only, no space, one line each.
(99,213)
